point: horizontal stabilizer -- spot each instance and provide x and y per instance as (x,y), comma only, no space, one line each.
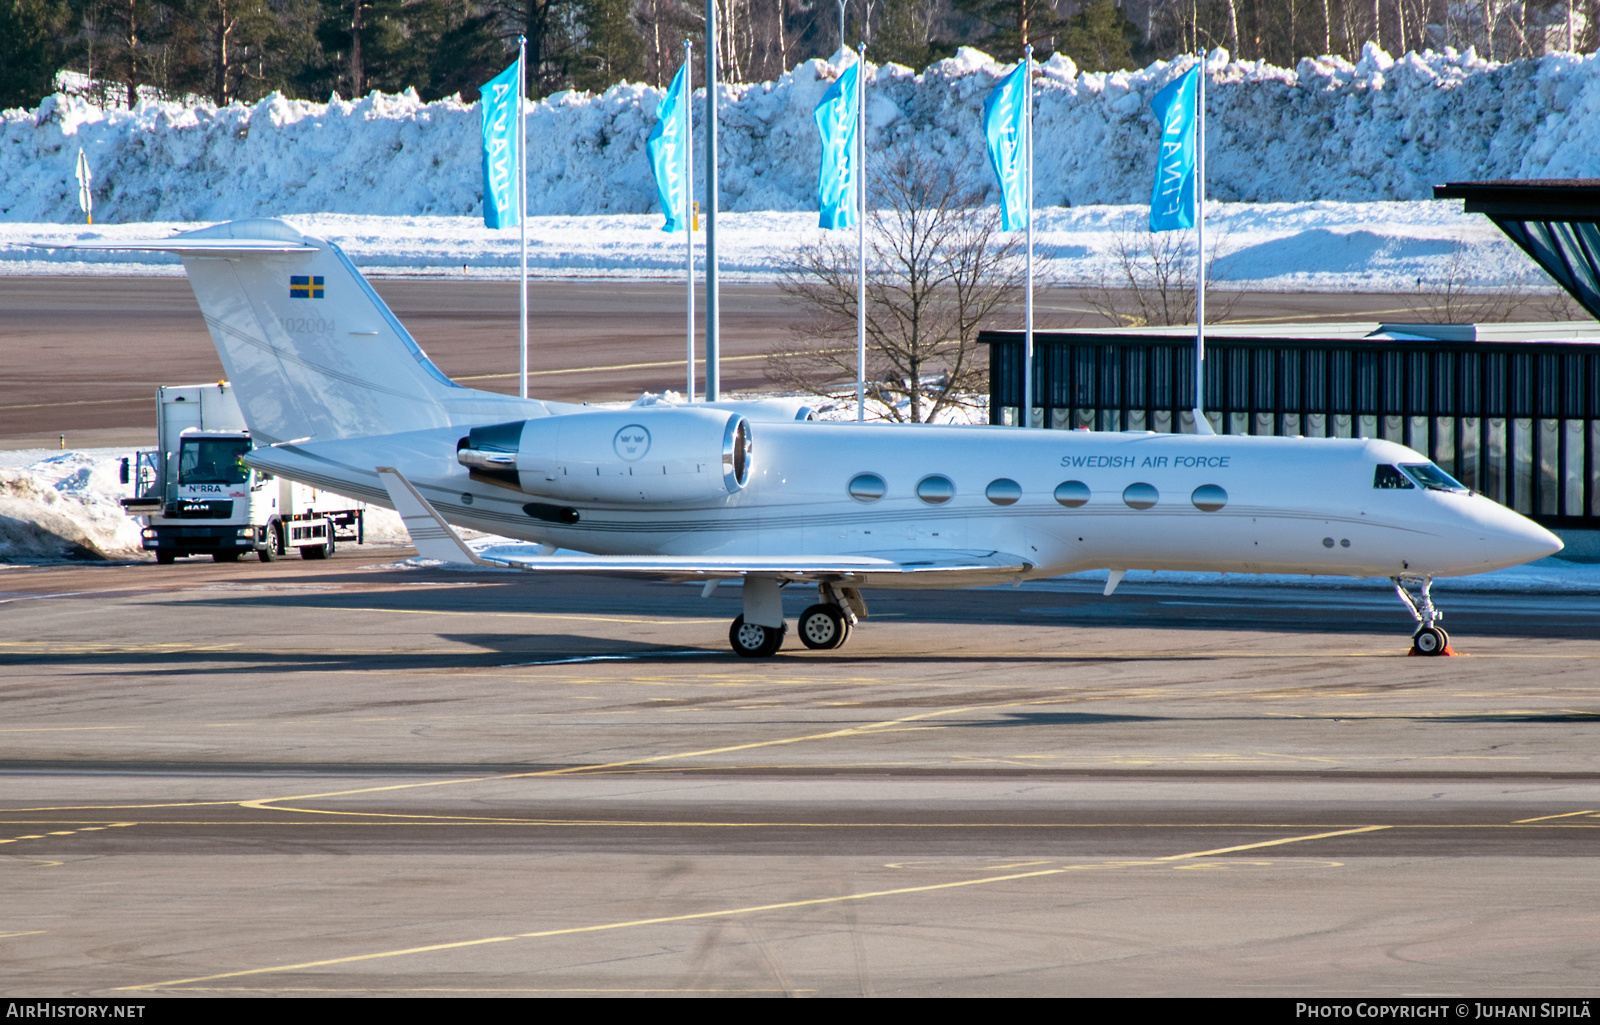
(191,246)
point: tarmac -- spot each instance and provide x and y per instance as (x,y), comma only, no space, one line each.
(356,777)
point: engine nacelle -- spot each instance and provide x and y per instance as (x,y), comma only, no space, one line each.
(624,456)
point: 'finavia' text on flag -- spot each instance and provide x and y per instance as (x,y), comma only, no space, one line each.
(1172,197)
(669,151)
(499,102)
(836,118)
(1003,124)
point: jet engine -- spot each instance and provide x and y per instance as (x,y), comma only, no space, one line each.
(623,456)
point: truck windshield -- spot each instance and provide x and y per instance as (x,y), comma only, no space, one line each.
(213,461)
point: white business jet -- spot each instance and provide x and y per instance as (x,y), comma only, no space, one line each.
(338,395)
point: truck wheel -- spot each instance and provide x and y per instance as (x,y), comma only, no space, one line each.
(225,556)
(270,550)
(314,552)
(166,558)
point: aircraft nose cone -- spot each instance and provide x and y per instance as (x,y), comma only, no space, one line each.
(1514,539)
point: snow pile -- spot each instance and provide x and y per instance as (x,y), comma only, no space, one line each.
(64,506)
(1327,129)
(67,505)
(1321,246)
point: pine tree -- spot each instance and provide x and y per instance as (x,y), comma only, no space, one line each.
(1099,38)
(458,46)
(902,34)
(609,50)
(1013,24)
(30,50)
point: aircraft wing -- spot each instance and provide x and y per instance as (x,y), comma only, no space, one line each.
(435,539)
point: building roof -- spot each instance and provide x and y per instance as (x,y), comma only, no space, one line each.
(1556,199)
(1568,332)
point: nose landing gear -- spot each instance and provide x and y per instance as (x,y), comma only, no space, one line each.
(1429,638)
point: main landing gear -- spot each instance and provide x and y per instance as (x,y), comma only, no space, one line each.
(823,626)
(1429,638)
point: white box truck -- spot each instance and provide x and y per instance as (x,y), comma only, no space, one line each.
(195,496)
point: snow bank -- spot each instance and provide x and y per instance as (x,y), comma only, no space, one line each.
(63,506)
(1320,246)
(67,506)
(1327,129)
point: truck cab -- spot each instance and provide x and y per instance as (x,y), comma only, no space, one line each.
(196,496)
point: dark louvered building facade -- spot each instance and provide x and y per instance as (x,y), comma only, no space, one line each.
(1507,409)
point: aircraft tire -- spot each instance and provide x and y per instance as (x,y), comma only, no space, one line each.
(1430,640)
(823,627)
(752,641)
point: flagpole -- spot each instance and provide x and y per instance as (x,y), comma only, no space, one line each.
(1201,425)
(861,234)
(1027,307)
(522,197)
(688,198)
(713,312)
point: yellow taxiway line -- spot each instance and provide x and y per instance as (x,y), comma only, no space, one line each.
(748,910)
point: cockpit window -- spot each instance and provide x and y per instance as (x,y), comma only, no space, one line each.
(1433,478)
(1387,478)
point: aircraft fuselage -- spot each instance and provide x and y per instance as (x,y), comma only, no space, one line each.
(1063,500)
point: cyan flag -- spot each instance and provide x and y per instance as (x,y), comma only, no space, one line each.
(1172,198)
(499,102)
(1003,114)
(836,120)
(669,150)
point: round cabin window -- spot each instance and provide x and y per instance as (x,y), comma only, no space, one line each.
(1003,491)
(1140,496)
(1072,493)
(1209,498)
(867,487)
(935,489)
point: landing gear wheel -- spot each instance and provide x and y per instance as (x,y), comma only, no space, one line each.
(225,556)
(823,627)
(752,641)
(166,558)
(1430,640)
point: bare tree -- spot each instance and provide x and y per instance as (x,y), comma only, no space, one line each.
(1446,299)
(937,268)
(1154,282)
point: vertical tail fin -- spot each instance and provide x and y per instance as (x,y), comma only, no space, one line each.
(311,349)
